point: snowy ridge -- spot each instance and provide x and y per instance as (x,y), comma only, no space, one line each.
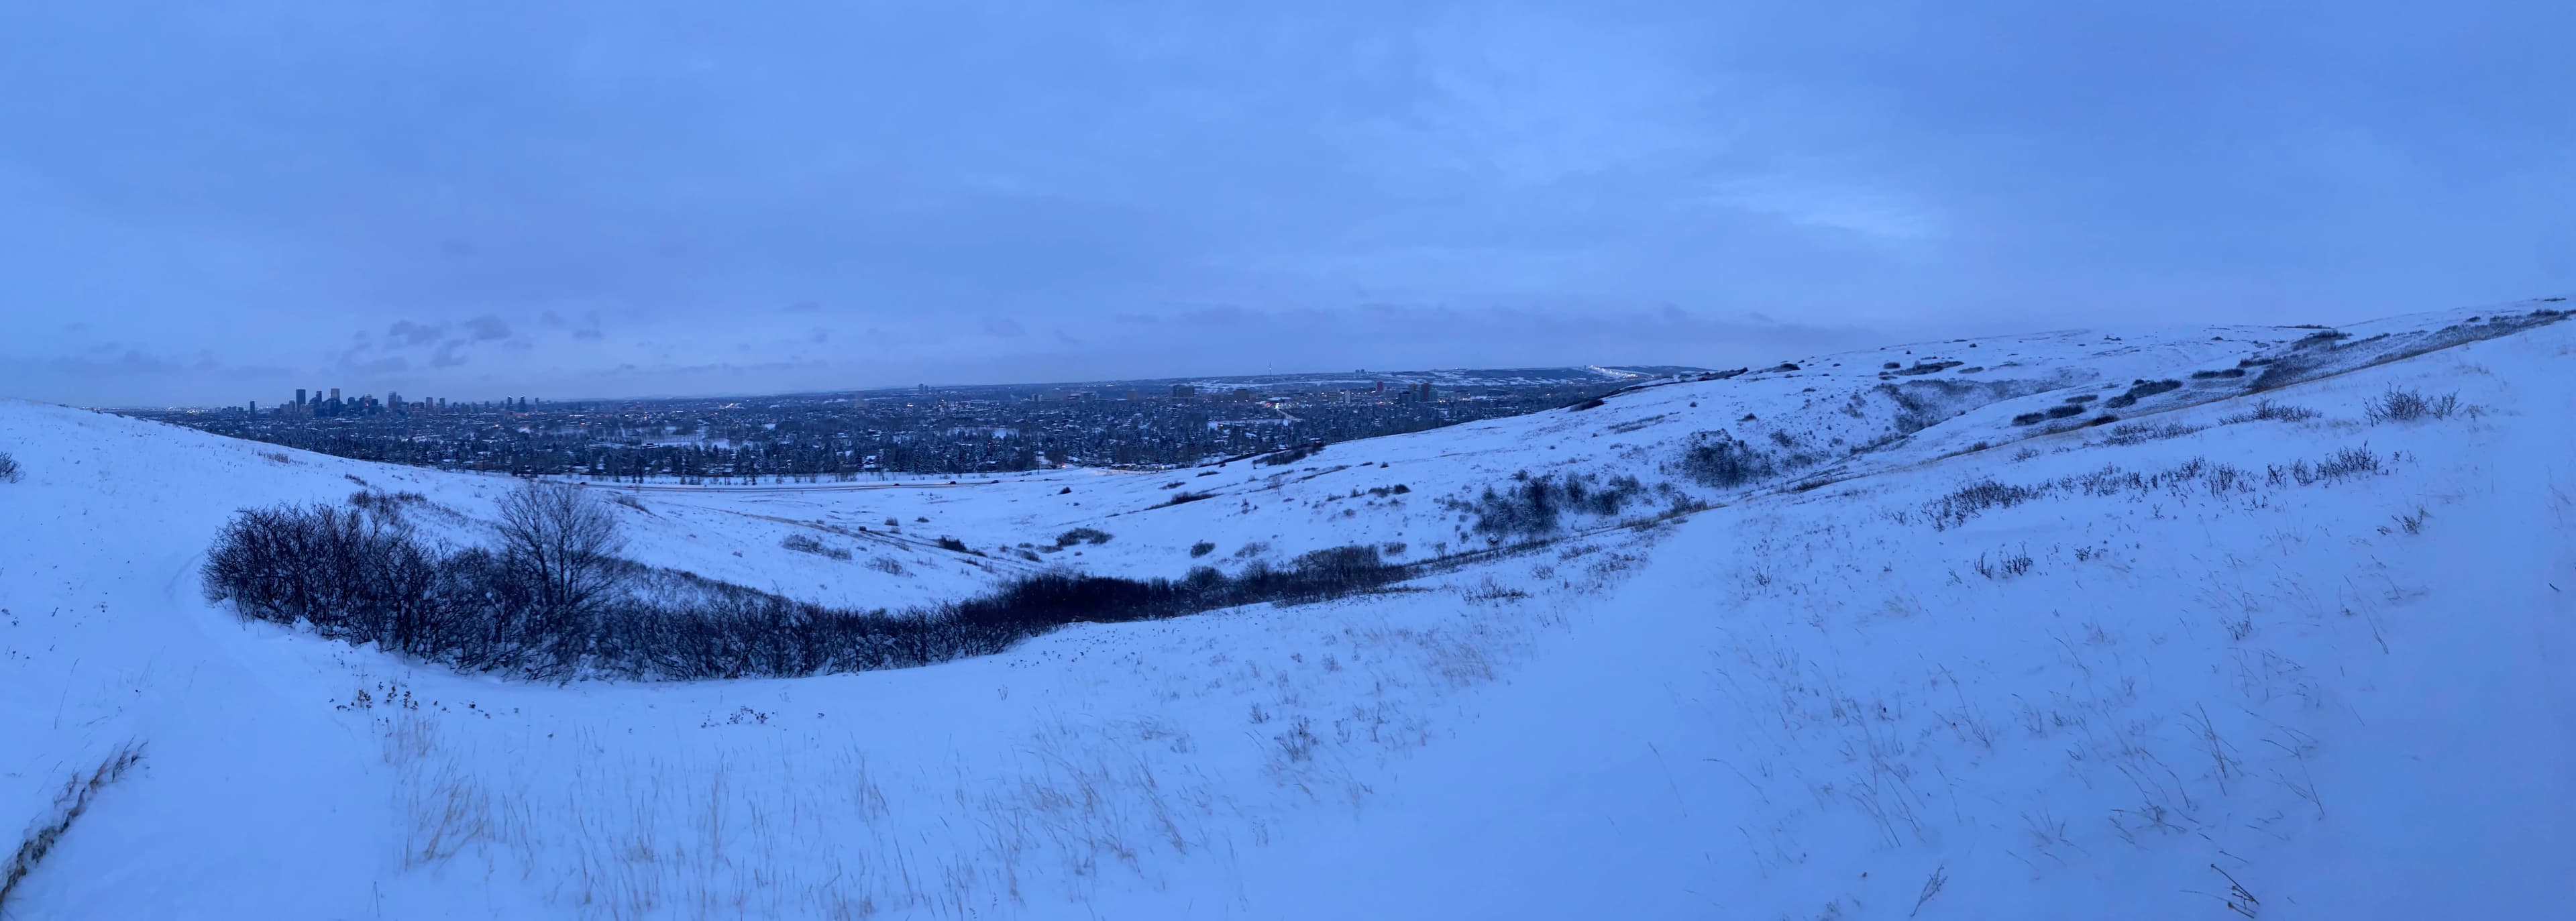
(1860,644)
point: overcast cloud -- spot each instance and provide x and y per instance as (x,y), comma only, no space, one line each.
(215,202)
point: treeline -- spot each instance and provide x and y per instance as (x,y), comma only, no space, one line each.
(551,600)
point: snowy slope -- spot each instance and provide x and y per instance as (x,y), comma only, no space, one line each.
(1802,701)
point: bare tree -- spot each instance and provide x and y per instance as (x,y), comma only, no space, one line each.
(562,544)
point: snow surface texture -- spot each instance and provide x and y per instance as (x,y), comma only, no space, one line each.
(1921,661)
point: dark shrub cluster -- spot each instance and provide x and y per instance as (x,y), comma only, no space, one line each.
(9,471)
(1929,367)
(1534,506)
(2141,390)
(1183,496)
(1045,601)
(551,603)
(1202,548)
(1720,460)
(1082,536)
(381,501)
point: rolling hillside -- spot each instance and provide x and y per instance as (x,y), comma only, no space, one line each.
(2208,623)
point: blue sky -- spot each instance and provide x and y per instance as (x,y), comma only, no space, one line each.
(215,202)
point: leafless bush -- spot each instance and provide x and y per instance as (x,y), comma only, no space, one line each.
(1720,460)
(802,543)
(1185,496)
(2006,565)
(1957,506)
(2268,411)
(2140,390)
(2198,476)
(2343,464)
(9,470)
(1202,548)
(2404,405)
(2141,433)
(1533,506)
(347,573)
(386,503)
(559,542)
(1082,536)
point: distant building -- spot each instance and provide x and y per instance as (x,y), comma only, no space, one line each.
(1184,390)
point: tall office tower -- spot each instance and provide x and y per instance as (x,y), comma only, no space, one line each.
(335,394)
(299,396)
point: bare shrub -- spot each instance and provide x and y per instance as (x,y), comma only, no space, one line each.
(1720,460)
(9,470)
(1534,506)
(383,502)
(1093,536)
(2268,411)
(802,543)
(2006,564)
(1184,497)
(363,578)
(1957,506)
(2140,390)
(557,542)
(2198,476)
(1202,548)
(2341,465)
(2141,433)
(348,574)
(2403,405)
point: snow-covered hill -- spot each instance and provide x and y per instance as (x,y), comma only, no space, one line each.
(2062,625)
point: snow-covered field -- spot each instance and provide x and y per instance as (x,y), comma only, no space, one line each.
(1921,661)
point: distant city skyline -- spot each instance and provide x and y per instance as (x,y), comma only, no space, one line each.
(216,203)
